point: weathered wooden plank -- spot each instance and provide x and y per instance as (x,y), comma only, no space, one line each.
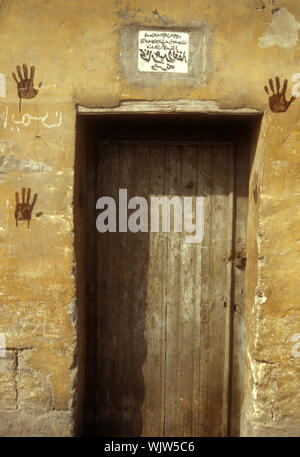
(154,367)
(214,281)
(238,343)
(206,171)
(138,290)
(173,301)
(129,374)
(202,189)
(189,310)
(109,338)
(228,292)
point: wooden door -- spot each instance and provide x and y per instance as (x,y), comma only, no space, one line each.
(164,305)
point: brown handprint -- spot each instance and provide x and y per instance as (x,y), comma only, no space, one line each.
(23,210)
(25,85)
(278,103)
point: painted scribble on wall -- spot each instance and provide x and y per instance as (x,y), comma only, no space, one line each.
(277,100)
(16,122)
(24,208)
(27,118)
(25,84)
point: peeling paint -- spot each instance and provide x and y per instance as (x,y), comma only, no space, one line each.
(2,85)
(2,345)
(277,164)
(10,163)
(283,31)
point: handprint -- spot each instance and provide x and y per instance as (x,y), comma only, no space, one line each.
(278,103)
(23,210)
(25,85)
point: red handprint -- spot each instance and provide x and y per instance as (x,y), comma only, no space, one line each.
(278,102)
(23,210)
(25,85)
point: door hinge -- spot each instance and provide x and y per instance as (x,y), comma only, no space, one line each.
(234,307)
(238,259)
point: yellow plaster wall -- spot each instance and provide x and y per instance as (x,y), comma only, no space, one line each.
(75,47)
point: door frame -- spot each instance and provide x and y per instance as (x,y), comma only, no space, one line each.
(209,109)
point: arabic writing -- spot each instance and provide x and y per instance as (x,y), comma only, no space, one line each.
(163,51)
(13,122)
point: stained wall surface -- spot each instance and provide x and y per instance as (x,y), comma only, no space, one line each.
(84,52)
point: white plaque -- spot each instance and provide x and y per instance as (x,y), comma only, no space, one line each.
(163,51)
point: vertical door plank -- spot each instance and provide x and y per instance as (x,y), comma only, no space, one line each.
(108,340)
(173,302)
(217,284)
(122,322)
(202,187)
(154,367)
(138,244)
(188,328)
(238,343)
(229,304)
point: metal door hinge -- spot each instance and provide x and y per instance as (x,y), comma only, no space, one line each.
(238,259)
(234,307)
